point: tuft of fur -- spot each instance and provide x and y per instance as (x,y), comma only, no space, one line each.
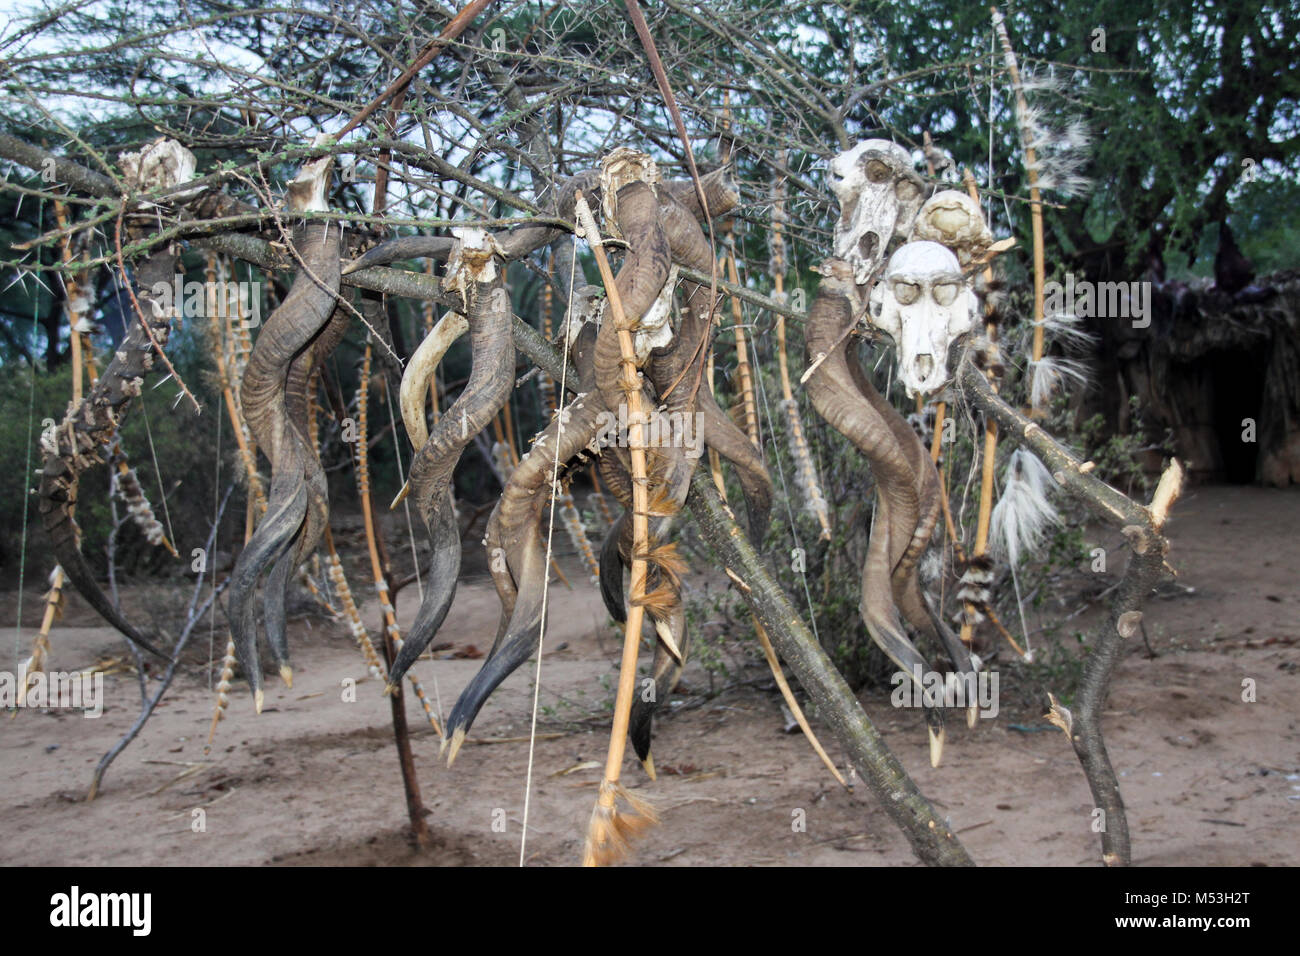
(659,603)
(667,559)
(1066,330)
(612,830)
(1050,375)
(1024,512)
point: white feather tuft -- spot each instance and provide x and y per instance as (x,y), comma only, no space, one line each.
(1066,330)
(1050,375)
(1024,512)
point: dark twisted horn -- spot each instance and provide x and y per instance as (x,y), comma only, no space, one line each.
(838,398)
(517,555)
(301,378)
(264,392)
(486,392)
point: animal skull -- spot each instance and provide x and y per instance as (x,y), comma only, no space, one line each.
(954,219)
(924,303)
(160,165)
(879,194)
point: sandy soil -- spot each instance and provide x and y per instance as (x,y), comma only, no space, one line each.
(1207,778)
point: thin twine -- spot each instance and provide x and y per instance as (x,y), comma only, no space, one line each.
(406,502)
(550,531)
(27,472)
(162,492)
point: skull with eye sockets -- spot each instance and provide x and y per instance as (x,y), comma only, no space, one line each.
(924,303)
(879,195)
(955,220)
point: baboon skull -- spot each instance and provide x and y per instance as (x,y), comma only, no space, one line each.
(925,304)
(954,219)
(879,195)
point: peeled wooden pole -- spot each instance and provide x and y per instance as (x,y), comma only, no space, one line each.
(610,828)
(981,547)
(1031,169)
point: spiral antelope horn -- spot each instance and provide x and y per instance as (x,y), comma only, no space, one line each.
(264,393)
(477,272)
(842,396)
(517,557)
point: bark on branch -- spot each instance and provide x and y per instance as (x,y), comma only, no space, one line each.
(1142,527)
(931,839)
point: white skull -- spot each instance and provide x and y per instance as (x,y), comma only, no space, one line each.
(924,303)
(954,219)
(879,194)
(161,164)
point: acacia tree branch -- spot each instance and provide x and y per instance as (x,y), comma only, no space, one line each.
(932,840)
(1142,527)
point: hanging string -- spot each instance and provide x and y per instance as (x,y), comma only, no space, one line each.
(162,492)
(561,401)
(406,502)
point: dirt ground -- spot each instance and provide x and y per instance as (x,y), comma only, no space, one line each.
(1208,779)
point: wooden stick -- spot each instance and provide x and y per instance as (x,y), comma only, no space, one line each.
(799,450)
(990,452)
(744,375)
(609,829)
(1031,169)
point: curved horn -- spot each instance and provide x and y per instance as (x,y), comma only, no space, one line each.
(264,392)
(491,379)
(514,534)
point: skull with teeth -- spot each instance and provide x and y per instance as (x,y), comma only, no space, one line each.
(924,303)
(879,195)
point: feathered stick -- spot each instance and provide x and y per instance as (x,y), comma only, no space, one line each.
(546,384)
(611,828)
(339,580)
(1024,122)
(39,660)
(126,486)
(73,306)
(744,374)
(578,535)
(229,372)
(805,473)
(973,588)
(1053,158)
(223,692)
